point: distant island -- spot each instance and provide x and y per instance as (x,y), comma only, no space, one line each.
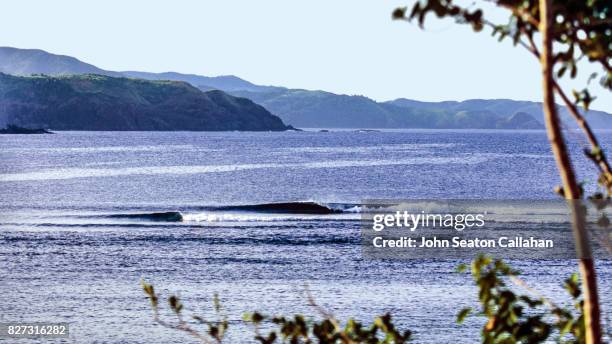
(297,107)
(99,102)
(13,129)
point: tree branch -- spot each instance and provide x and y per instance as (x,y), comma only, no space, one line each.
(603,164)
(327,315)
(181,326)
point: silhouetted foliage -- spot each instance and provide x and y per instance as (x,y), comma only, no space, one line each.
(215,330)
(522,318)
(328,330)
(295,329)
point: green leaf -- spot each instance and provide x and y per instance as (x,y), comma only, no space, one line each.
(463,314)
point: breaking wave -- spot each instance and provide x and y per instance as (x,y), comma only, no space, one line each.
(261,212)
(309,211)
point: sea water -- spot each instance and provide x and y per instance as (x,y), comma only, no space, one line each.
(84,216)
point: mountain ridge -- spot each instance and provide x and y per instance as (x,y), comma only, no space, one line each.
(102,102)
(307,108)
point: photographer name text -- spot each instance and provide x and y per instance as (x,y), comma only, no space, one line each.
(458,242)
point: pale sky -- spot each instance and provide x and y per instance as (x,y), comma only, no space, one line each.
(349,47)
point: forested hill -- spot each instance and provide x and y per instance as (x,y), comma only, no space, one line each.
(100,102)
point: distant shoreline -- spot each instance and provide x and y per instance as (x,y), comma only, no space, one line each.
(308,130)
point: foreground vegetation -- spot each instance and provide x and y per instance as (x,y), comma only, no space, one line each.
(510,317)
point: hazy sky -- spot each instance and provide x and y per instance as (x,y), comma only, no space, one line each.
(350,47)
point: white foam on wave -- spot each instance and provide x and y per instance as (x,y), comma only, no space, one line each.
(215,217)
(355,209)
(71,173)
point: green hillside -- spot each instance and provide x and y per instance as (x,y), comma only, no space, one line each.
(97,102)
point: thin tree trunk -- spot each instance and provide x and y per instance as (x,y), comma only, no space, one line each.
(571,190)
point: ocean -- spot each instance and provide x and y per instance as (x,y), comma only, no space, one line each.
(84,216)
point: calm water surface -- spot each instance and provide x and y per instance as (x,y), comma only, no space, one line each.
(80,225)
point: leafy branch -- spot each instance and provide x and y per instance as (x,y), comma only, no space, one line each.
(521,318)
(295,329)
(215,329)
